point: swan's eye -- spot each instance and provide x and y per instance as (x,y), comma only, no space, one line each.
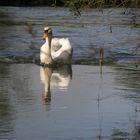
(46,31)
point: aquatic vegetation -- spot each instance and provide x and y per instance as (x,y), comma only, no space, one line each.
(76,6)
(126,24)
(30,29)
(3,17)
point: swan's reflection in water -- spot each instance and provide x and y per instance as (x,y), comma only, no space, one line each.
(55,78)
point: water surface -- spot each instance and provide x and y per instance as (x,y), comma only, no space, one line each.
(83,103)
(87,33)
(72,102)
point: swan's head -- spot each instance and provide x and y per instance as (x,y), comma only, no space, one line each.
(47,32)
(48,35)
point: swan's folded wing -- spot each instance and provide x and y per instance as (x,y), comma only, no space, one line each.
(55,44)
(65,43)
(61,49)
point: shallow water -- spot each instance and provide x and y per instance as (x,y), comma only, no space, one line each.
(84,103)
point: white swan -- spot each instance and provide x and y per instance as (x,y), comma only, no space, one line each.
(54,49)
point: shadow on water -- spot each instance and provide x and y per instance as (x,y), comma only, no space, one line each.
(6,109)
(129,78)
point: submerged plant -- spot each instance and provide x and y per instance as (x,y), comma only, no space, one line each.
(76,6)
(30,29)
(32,32)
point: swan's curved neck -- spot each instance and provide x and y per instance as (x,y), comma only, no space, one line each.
(48,43)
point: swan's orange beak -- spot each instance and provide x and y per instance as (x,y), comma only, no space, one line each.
(45,35)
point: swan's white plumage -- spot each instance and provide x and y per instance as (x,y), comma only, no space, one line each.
(60,46)
(61,50)
(44,53)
